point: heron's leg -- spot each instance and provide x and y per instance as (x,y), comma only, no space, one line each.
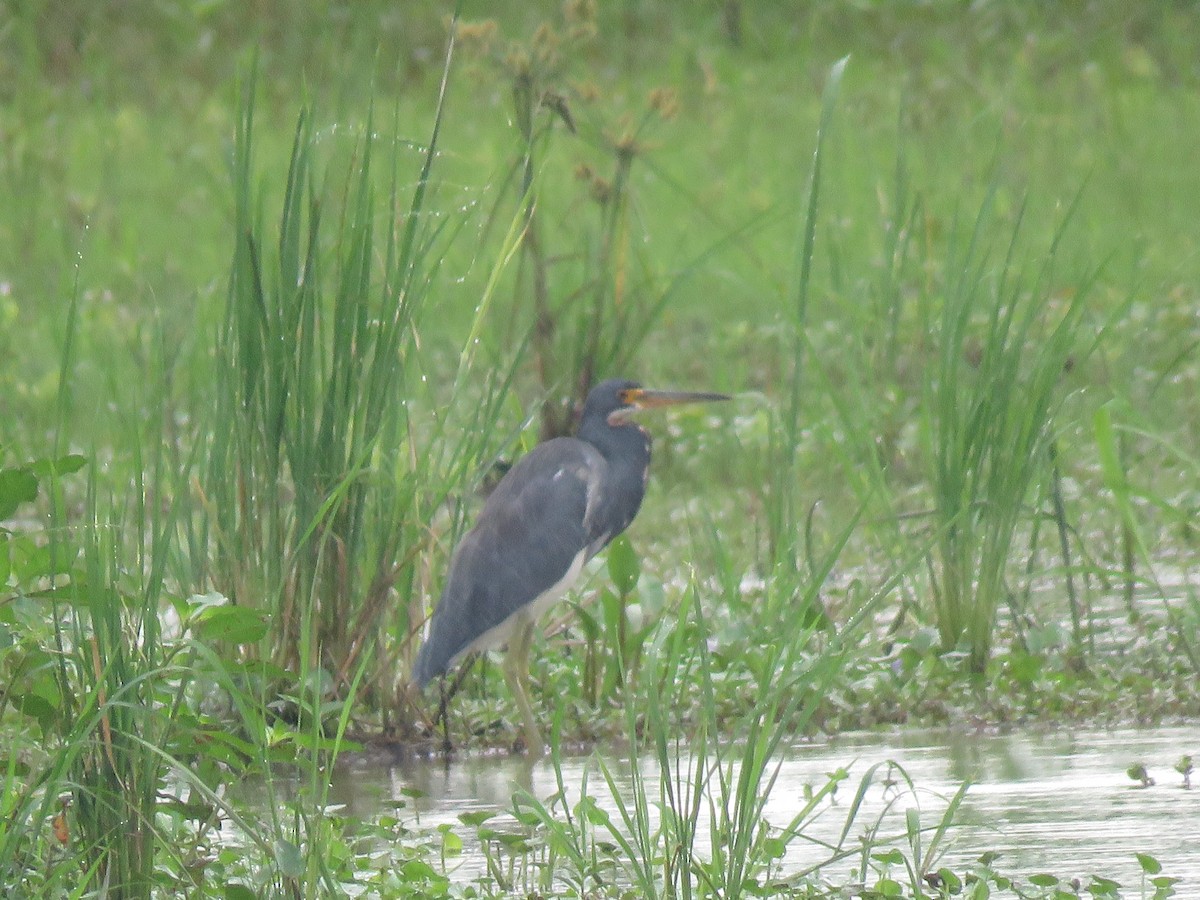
(443,716)
(516,673)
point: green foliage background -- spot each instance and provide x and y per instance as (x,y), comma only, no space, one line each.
(960,476)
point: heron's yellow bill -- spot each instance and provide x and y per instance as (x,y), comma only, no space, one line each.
(644,398)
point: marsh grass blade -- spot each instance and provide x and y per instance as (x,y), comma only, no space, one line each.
(1005,341)
(784,519)
(316,481)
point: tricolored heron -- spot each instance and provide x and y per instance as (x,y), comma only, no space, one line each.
(552,512)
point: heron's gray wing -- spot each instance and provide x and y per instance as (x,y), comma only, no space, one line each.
(531,532)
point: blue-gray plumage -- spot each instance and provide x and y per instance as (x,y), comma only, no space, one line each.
(551,513)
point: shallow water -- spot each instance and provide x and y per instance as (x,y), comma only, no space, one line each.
(1059,803)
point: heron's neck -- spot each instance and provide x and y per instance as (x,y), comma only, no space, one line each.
(626,448)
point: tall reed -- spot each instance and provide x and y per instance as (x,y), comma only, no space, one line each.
(311,478)
(1004,336)
(107,684)
(783,511)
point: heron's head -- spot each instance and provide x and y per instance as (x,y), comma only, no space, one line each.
(617,400)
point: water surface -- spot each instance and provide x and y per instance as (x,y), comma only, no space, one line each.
(1059,803)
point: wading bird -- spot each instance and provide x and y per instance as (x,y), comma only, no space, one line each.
(552,512)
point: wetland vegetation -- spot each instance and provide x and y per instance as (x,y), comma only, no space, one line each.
(281,288)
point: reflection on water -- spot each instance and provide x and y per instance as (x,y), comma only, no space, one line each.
(1059,803)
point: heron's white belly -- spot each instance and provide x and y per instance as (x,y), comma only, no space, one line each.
(499,635)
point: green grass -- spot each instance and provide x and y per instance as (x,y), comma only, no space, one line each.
(309,492)
(288,296)
(1004,344)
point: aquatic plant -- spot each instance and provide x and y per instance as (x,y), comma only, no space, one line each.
(1003,342)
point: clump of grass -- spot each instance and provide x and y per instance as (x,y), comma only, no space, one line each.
(102,687)
(1003,343)
(125,791)
(310,480)
(120,711)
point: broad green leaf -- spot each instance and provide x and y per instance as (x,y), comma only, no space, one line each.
(1164,886)
(948,881)
(64,465)
(476,818)
(774,848)
(41,700)
(1024,667)
(235,624)
(42,561)
(587,808)
(17,486)
(289,860)
(624,567)
(516,843)
(417,870)
(1149,864)
(1104,887)
(217,748)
